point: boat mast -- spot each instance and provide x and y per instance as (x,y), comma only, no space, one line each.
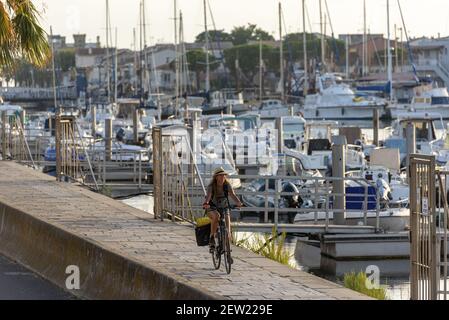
(181,45)
(281,55)
(115,68)
(304,40)
(135,58)
(322,36)
(260,69)
(141,54)
(390,60)
(207,48)
(347,56)
(55,97)
(107,54)
(145,55)
(175,13)
(364,51)
(396,52)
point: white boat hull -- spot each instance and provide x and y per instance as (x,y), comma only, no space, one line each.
(392,220)
(396,112)
(340,113)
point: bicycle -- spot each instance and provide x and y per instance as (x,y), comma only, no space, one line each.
(222,241)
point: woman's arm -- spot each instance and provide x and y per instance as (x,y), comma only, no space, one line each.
(234,197)
(208,198)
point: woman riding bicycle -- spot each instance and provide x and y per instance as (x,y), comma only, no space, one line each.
(217,193)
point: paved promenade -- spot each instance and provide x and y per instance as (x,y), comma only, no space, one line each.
(165,246)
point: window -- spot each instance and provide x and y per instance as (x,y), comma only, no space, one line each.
(166,77)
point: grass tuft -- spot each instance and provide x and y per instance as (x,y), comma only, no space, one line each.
(270,246)
(357,282)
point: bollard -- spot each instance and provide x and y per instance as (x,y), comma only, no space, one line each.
(411,141)
(4,138)
(229,109)
(22,118)
(376,127)
(135,125)
(50,124)
(339,171)
(280,134)
(93,115)
(108,139)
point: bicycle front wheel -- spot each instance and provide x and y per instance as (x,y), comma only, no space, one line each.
(227,253)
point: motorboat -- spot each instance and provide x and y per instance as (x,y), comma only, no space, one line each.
(435,100)
(219,101)
(430,133)
(337,101)
(274,109)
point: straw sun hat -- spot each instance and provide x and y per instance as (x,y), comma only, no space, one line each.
(219,172)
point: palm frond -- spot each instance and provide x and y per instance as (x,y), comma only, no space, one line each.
(7,45)
(30,36)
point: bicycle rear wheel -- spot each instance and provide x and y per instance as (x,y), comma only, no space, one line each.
(227,252)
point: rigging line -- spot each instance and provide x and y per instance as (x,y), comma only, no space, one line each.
(379,60)
(290,51)
(337,52)
(218,43)
(330,19)
(308,18)
(410,55)
(315,44)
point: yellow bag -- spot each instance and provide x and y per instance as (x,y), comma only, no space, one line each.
(200,222)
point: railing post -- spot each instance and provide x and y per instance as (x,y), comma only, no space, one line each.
(157,173)
(58,146)
(266,200)
(22,119)
(276,205)
(338,171)
(108,139)
(93,115)
(140,171)
(135,125)
(376,126)
(411,141)
(4,138)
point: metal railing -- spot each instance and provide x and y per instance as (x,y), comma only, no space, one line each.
(180,188)
(81,159)
(429,229)
(442,215)
(71,152)
(14,144)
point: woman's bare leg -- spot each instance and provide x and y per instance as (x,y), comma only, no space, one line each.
(214,222)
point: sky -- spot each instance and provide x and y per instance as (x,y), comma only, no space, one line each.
(422,18)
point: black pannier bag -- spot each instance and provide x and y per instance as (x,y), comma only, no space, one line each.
(202,235)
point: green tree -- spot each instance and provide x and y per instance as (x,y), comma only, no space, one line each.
(248,55)
(65,59)
(26,74)
(21,35)
(243,34)
(196,59)
(214,35)
(298,36)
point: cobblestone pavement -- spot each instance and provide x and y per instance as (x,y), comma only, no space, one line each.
(164,245)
